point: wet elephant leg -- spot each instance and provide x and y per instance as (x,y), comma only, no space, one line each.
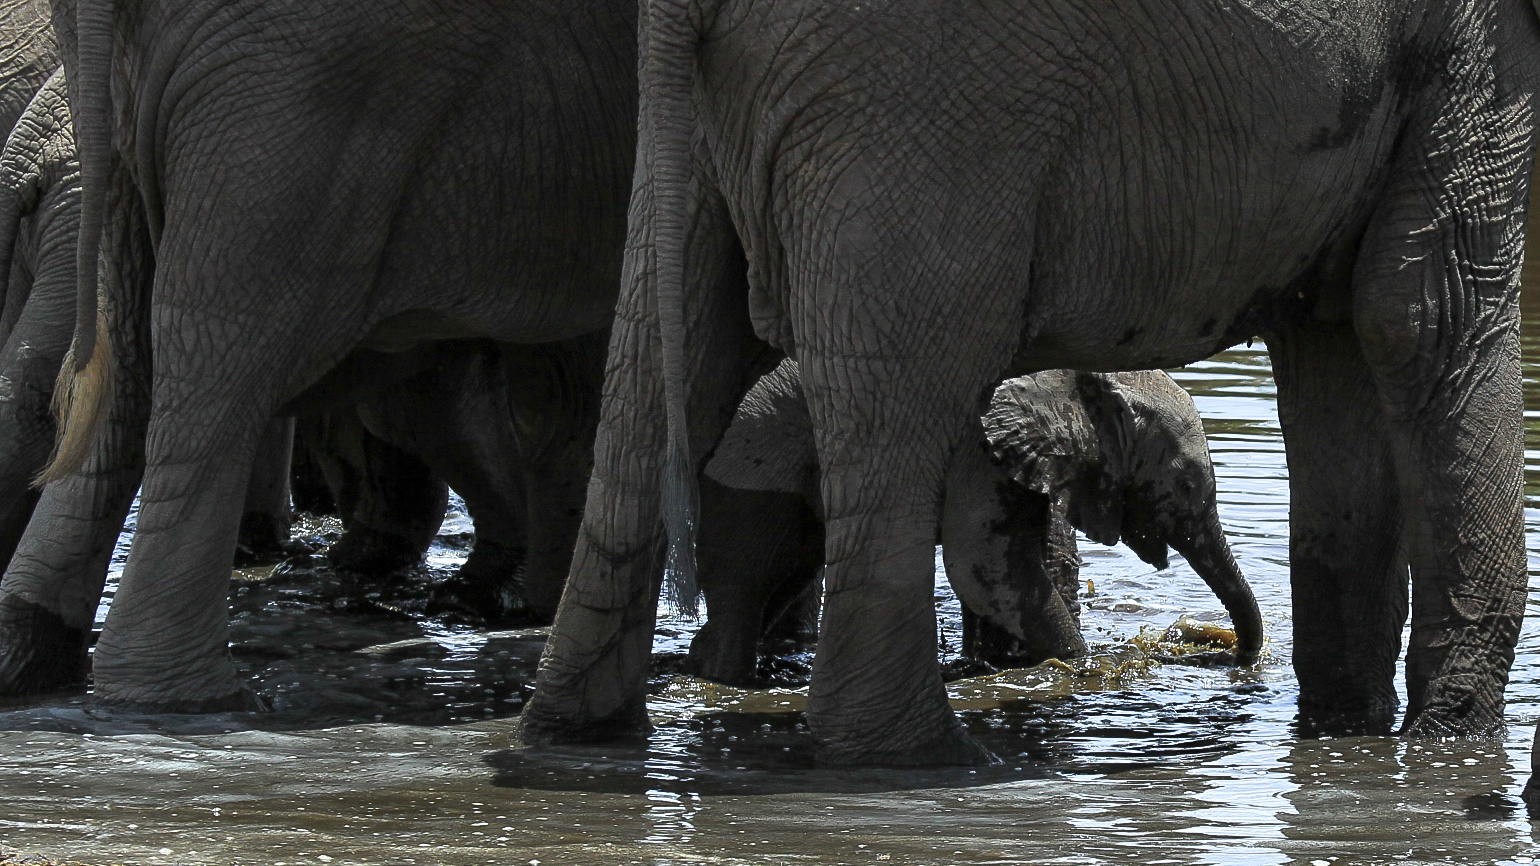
(390,501)
(1442,342)
(554,390)
(791,614)
(877,694)
(592,680)
(53,585)
(757,551)
(266,518)
(456,418)
(308,487)
(1348,583)
(997,547)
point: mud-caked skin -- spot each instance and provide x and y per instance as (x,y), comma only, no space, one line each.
(336,176)
(1118,456)
(932,198)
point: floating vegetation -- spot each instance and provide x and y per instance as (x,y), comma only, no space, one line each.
(1186,641)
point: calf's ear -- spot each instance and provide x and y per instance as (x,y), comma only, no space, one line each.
(1039,432)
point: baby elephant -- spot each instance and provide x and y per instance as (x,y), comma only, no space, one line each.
(1119,456)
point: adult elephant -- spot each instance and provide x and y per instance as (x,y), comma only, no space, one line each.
(288,183)
(931,198)
(1119,456)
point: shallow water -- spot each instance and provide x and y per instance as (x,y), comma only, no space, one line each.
(388,739)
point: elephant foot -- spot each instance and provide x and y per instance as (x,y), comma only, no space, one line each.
(953,748)
(39,653)
(540,727)
(1448,723)
(242,700)
(717,654)
(1315,720)
(488,587)
(262,538)
(1531,797)
(370,551)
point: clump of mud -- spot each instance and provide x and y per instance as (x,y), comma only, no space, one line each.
(1113,666)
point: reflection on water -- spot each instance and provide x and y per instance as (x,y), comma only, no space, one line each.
(388,740)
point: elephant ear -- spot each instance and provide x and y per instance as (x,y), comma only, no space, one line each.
(1038,433)
(1096,507)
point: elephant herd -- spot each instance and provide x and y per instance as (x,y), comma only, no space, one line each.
(737,295)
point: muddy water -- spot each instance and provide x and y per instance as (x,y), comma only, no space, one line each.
(388,738)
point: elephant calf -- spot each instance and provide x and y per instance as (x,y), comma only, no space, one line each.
(1119,456)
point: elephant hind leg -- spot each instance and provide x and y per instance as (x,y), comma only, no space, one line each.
(1348,581)
(1436,310)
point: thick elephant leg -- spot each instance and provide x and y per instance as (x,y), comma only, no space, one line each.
(995,538)
(266,518)
(49,597)
(53,584)
(308,488)
(456,418)
(886,428)
(391,503)
(554,390)
(592,680)
(791,614)
(1436,309)
(165,643)
(1348,582)
(757,551)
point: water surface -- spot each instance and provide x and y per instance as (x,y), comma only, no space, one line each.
(388,740)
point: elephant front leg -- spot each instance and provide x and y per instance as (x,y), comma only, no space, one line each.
(390,502)
(554,394)
(755,547)
(1436,310)
(885,432)
(267,516)
(1348,581)
(995,539)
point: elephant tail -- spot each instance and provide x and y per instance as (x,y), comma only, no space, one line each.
(668,68)
(84,388)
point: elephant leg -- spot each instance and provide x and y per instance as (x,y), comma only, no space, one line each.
(29,365)
(308,488)
(455,417)
(592,679)
(1348,581)
(885,430)
(554,390)
(49,597)
(995,538)
(1062,558)
(266,518)
(165,642)
(390,501)
(758,550)
(791,614)
(1436,310)
(53,584)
